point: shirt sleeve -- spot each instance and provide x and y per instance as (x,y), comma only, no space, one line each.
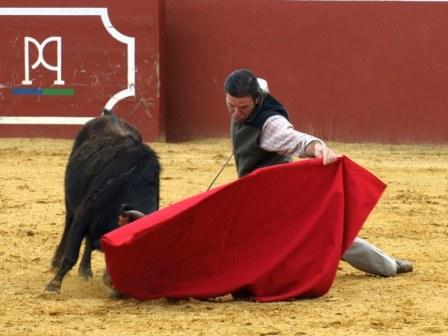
(278,135)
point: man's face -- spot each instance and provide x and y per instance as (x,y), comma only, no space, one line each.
(240,108)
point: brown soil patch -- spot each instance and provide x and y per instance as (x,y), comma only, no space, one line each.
(409,222)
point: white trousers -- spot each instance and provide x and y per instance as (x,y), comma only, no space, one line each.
(370,259)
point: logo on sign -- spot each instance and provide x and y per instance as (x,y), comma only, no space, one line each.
(41,60)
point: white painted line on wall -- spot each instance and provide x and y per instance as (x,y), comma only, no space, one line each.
(44,120)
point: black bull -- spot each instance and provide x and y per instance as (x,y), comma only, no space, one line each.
(109,167)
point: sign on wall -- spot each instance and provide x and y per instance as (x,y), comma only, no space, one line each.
(62,65)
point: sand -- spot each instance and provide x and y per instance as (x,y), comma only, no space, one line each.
(409,222)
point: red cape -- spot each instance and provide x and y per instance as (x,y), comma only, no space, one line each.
(275,234)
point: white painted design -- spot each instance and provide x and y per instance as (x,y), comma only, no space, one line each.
(130,41)
(41,60)
(45,120)
(81,11)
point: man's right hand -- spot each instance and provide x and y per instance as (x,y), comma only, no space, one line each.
(320,150)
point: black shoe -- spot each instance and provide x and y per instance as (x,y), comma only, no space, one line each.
(403,266)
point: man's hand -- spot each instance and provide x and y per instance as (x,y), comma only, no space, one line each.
(320,150)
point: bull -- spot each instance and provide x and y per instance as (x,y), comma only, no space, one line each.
(110,174)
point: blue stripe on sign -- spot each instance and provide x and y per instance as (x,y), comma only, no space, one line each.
(27,91)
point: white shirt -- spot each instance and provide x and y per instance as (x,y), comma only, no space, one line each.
(278,135)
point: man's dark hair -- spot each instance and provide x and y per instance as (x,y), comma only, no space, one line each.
(242,83)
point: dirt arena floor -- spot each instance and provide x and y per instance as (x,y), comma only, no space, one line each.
(410,221)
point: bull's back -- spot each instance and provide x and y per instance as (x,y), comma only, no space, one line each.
(103,160)
(88,161)
(108,125)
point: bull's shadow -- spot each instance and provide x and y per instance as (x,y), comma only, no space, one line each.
(109,168)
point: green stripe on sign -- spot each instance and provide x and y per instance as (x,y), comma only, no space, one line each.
(58,92)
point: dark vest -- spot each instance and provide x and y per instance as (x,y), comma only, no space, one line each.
(245,138)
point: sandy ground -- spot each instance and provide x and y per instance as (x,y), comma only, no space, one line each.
(409,222)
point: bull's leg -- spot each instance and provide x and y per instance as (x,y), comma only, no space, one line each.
(85,267)
(60,250)
(106,278)
(113,294)
(73,242)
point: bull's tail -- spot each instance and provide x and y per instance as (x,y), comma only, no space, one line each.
(107,112)
(121,128)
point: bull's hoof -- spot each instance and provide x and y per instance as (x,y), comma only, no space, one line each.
(53,287)
(107,280)
(116,295)
(85,273)
(49,296)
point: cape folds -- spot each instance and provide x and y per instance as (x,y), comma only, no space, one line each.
(275,234)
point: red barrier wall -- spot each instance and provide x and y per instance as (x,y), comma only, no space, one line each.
(349,71)
(110,56)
